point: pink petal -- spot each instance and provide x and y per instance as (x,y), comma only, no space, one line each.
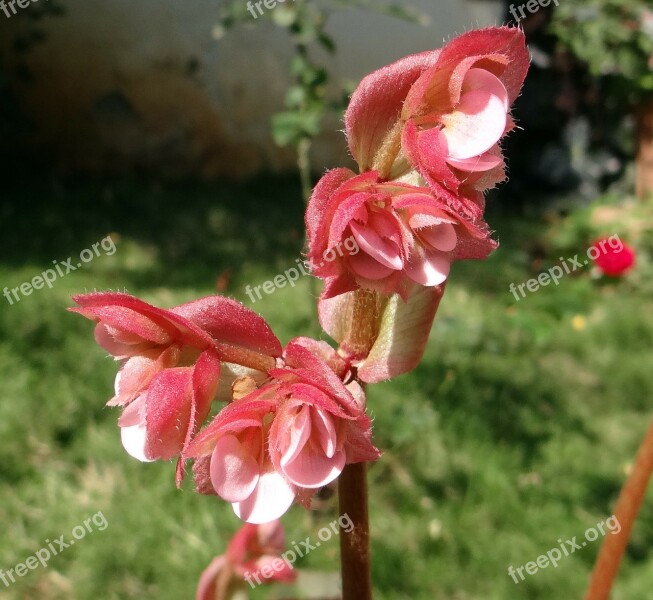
(234,471)
(376,103)
(359,447)
(272,497)
(230,322)
(321,350)
(476,164)
(428,149)
(476,125)
(205,382)
(298,435)
(272,536)
(382,250)
(348,205)
(202,476)
(134,324)
(325,431)
(309,394)
(248,412)
(358,392)
(428,267)
(244,542)
(120,344)
(482,80)
(133,432)
(384,221)
(138,371)
(367,267)
(206,587)
(509,43)
(429,216)
(320,211)
(315,371)
(133,441)
(312,469)
(168,412)
(502,50)
(285,573)
(127,313)
(134,414)
(205,379)
(441,237)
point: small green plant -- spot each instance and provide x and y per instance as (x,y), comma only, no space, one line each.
(307,103)
(615,39)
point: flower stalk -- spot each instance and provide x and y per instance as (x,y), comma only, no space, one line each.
(355,561)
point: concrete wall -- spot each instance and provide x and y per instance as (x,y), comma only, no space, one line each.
(121,84)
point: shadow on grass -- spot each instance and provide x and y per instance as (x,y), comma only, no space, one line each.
(197,230)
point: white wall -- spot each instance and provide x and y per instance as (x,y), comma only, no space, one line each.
(124,83)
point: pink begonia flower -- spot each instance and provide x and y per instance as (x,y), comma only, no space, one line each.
(233,450)
(442,113)
(320,424)
(253,548)
(405,234)
(289,437)
(172,362)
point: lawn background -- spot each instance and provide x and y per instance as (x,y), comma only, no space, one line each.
(517,428)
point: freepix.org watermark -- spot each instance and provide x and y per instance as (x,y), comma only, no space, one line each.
(567,266)
(299,550)
(566,548)
(532,6)
(5,5)
(268,4)
(290,276)
(41,557)
(49,276)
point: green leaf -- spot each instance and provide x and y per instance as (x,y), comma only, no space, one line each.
(326,41)
(289,127)
(286,128)
(295,96)
(284,16)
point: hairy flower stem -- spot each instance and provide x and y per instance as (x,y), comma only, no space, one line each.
(362,317)
(630,499)
(355,546)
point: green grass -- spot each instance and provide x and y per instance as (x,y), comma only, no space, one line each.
(515,430)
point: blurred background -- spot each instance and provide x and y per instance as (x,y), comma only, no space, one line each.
(189,136)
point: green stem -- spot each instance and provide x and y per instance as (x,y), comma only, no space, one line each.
(304,167)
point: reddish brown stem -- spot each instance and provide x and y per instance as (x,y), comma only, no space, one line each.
(630,499)
(355,545)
